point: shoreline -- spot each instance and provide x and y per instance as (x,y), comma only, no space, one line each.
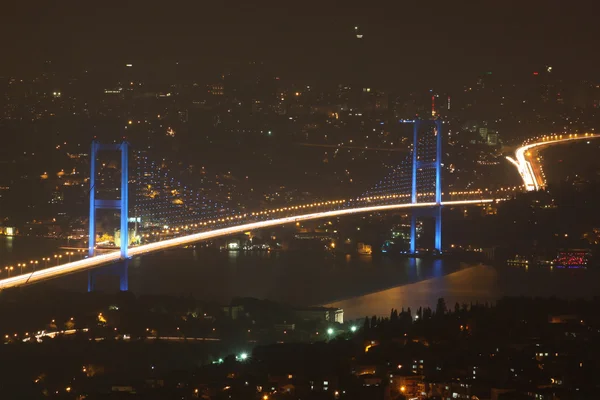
(453,287)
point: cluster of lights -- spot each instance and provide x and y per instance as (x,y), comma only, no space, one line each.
(303,206)
(486,190)
(160,197)
(571,260)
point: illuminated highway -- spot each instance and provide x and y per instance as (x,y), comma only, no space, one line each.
(531,174)
(104,259)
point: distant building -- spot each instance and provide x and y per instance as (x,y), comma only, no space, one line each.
(492,139)
(234,312)
(410,386)
(483,132)
(216,89)
(8,230)
(564,319)
(450,390)
(123,389)
(321,314)
(113,91)
(284,327)
(364,249)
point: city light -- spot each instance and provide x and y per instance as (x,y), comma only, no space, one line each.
(353,328)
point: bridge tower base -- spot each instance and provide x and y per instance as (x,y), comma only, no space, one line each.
(121,204)
(433,212)
(121,270)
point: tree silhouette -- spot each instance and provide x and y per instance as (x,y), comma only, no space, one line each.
(366,324)
(440,308)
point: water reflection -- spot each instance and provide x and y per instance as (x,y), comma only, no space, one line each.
(300,278)
(362,285)
(464,286)
(437,268)
(8,245)
(473,284)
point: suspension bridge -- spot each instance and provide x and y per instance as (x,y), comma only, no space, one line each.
(415,185)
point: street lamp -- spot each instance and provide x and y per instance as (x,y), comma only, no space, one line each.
(353,328)
(8,269)
(330,331)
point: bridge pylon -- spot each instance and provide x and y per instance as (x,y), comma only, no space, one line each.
(121,204)
(427,164)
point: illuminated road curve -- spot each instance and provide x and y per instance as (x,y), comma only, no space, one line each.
(526,170)
(104,259)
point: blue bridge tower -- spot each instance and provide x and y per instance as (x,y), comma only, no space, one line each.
(121,204)
(427,178)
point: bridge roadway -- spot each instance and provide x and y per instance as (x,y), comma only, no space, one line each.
(529,171)
(105,259)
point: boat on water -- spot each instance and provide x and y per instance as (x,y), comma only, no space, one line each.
(572,258)
(518,261)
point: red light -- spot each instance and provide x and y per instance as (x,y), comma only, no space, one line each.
(536,73)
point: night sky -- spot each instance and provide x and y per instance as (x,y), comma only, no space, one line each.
(403,41)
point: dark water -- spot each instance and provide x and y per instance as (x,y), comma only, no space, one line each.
(19,249)
(362,285)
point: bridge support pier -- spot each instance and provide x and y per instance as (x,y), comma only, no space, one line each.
(121,270)
(413,233)
(121,204)
(436,214)
(437,245)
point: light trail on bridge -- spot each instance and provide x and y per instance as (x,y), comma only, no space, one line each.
(526,170)
(105,259)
